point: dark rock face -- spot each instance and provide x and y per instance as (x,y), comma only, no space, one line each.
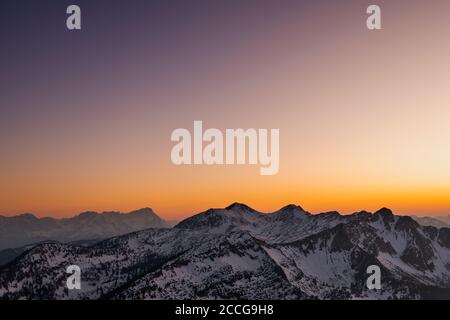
(341,241)
(431,232)
(406,224)
(420,252)
(444,237)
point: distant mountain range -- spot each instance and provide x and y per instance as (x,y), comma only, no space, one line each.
(437,221)
(240,253)
(26,229)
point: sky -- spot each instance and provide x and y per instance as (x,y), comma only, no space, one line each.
(86,116)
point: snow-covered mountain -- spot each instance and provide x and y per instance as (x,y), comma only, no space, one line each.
(239,253)
(26,229)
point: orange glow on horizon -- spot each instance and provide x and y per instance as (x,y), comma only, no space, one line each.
(363,118)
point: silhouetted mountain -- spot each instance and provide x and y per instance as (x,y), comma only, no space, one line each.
(25,229)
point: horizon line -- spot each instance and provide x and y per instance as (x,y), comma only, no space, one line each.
(126,212)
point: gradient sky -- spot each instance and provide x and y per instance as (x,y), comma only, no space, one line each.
(86,116)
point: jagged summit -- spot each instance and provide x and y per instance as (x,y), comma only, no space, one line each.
(236,215)
(362,212)
(330,216)
(27,216)
(291,207)
(289,214)
(386,215)
(384,212)
(145,210)
(239,206)
(93,214)
(87,214)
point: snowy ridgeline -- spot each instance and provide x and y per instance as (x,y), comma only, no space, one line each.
(239,253)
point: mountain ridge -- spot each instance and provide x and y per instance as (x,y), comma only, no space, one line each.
(26,229)
(238,253)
